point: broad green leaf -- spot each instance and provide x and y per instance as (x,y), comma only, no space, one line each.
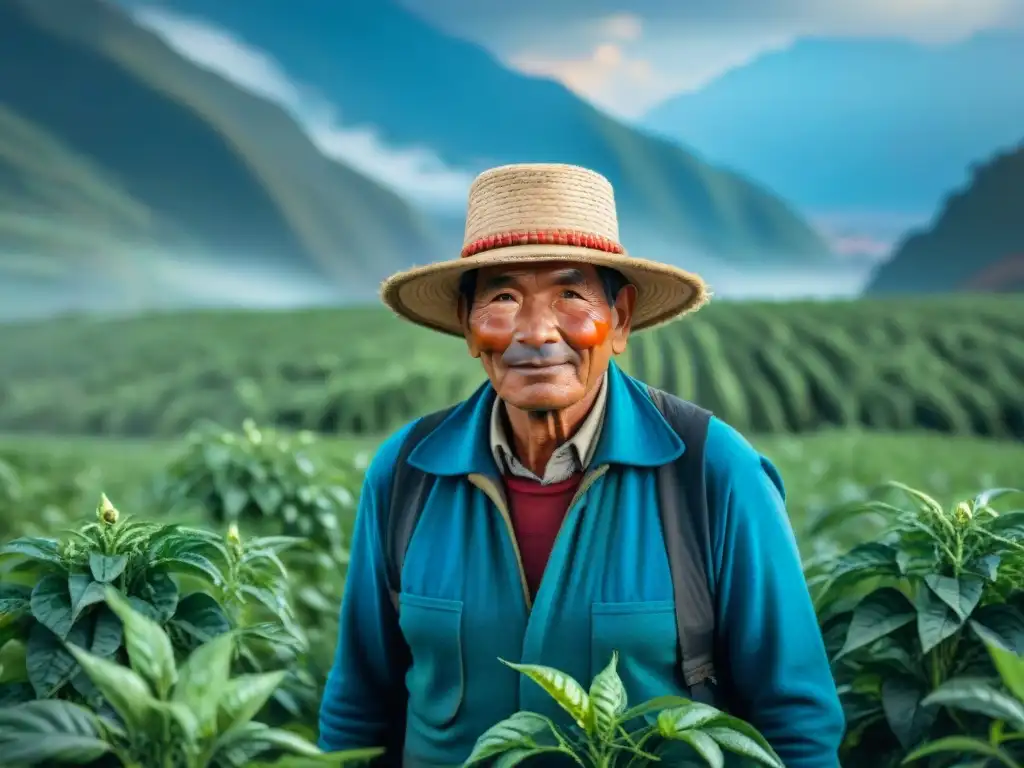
(13,662)
(106,568)
(980,697)
(654,705)
(878,614)
(83,591)
(14,598)
(149,648)
(935,620)
(160,591)
(35,548)
(123,688)
(48,664)
(691,715)
(960,745)
(245,695)
(107,632)
(203,677)
(986,567)
(872,556)
(908,718)
(704,745)
(607,698)
(1009,665)
(514,757)
(962,595)
(741,744)
(518,732)
(566,692)
(1003,622)
(57,748)
(51,605)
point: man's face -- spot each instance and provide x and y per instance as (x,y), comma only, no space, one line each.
(545,332)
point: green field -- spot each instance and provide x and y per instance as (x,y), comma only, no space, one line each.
(950,364)
(820,470)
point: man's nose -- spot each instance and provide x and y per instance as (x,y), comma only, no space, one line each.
(536,326)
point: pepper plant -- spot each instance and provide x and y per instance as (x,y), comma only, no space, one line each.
(897,613)
(606,731)
(195,715)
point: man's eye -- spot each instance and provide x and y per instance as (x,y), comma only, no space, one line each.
(504,297)
(569,294)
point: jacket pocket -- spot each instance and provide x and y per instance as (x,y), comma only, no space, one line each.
(436,680)
(644,635)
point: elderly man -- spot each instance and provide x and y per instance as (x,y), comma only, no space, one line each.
(566,510)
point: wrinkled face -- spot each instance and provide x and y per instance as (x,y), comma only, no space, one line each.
(545,332)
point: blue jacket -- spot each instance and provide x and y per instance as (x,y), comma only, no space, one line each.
(606,587)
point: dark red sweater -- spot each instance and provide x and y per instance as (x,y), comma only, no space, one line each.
(537,513)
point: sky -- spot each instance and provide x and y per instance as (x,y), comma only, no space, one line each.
(628,55)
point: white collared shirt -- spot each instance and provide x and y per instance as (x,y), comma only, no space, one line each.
(572,456)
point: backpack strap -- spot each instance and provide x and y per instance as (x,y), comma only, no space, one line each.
(685,521)
(409,490)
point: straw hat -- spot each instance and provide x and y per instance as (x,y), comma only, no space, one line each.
(539,212)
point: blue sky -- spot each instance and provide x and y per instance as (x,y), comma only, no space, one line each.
(627,55)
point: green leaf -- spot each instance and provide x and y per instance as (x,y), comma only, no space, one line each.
(48,665)
(654,705)
(13,662)
(106,568)
(980,697)
(202,679)
(123,689)
(566,692)
(872,557)
(741,744)
(149,648)
(83,592)
(935,620)
(908,718)
(960,745)
(877,615)
(37,732)
(518,732)
(1004,622)
(201,616)
(986,567)
(705,746)
(160,591)
(962,595)
(34,548)
(14,598)
(107,632)
(1009,665)
(607,698)
(245,696)
(51,605)
(693,714)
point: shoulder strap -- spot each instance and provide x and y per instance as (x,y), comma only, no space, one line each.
(409,490)
(685,520)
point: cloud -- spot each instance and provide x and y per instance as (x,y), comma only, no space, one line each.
(414,172)
(668,47)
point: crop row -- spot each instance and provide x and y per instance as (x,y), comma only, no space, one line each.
(954,364)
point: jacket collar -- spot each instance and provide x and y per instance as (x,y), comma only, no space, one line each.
(634,433)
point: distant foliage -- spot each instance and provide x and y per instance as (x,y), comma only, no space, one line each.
(954,365)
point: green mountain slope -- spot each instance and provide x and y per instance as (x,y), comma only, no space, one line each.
(975,244)
(383,66)
(118,155)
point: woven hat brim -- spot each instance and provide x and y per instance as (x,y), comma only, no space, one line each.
(428,295)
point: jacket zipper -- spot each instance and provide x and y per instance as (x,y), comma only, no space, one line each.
(497,497)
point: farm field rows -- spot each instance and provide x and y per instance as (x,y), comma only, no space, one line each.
(954,365)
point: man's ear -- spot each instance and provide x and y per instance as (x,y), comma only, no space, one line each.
(622,318)
(463,311)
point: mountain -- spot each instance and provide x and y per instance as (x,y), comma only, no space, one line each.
(975,244)
(130,175)
(858,124)
(417,87)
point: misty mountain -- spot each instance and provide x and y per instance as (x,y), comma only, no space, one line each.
(858,124)
(385,68)
(976,242)
(128,175)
